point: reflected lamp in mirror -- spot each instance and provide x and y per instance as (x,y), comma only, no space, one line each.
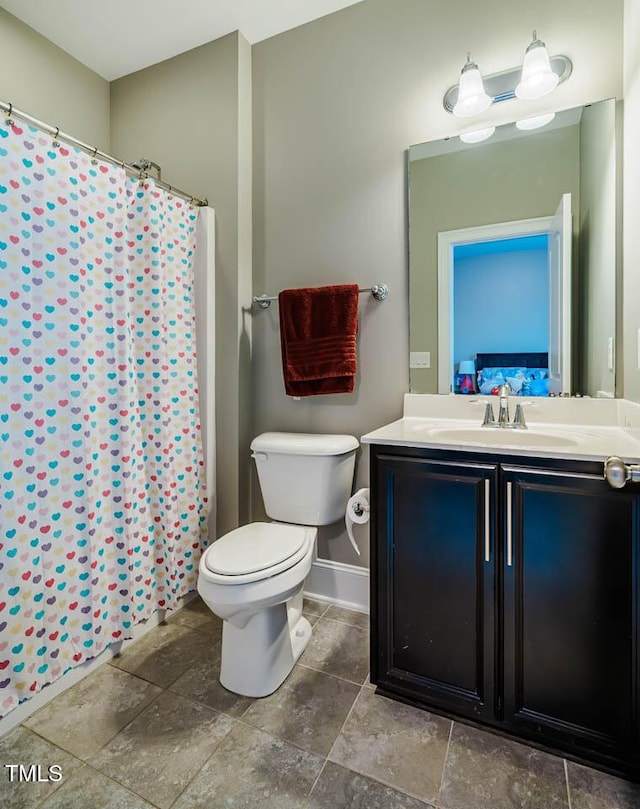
(466,381)
(477,135)
(535,122)
(538,75)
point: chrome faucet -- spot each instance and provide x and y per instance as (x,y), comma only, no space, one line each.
(519,422)
(489,419)
(503,412)
(503,421)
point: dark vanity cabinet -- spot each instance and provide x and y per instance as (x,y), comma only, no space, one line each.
(507,594)
(436,609)
(570,604)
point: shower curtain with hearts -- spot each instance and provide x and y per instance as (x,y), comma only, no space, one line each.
(102,501)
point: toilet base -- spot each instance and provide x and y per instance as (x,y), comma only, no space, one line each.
(258,658)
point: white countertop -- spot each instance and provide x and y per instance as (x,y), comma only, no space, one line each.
(582,430)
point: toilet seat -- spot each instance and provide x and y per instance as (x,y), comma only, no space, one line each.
(256,551)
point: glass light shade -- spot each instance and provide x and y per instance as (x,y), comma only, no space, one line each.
(537,77)
(478,135)
(536,121)
(472,98)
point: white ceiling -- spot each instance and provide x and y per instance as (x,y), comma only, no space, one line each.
(116,37)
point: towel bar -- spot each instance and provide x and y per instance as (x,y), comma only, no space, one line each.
(379,292)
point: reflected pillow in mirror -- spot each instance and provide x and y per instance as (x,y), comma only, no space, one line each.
(523,381)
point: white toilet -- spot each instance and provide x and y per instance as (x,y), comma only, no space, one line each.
(253,576)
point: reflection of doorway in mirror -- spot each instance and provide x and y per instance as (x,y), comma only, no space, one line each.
(506,289)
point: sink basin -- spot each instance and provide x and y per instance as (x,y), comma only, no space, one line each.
(500,437)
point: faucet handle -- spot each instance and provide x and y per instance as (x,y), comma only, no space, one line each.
(519,421)
(489,418)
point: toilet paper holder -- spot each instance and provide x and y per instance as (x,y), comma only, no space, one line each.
(359,509)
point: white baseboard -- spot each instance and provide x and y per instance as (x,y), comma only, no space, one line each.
(73,676)
(340,584)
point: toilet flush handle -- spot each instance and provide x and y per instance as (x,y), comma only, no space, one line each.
(259,456)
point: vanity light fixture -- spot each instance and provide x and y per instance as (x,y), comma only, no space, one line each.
(472,98)
(477,135)
(538,75)
(537,78)
(535,121)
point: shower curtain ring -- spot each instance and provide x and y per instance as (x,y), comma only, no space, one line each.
(9,120)
(55,137)
(94,162)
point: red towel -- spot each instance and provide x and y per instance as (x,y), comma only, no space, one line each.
(318,328)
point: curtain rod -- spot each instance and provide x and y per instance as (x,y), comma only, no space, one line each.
(95,152)
(379,292)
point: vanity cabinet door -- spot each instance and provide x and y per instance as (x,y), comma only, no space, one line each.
(433,570)
(571,553)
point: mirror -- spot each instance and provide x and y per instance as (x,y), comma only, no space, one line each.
(513,256)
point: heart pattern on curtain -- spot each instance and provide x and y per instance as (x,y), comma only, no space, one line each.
(102,495)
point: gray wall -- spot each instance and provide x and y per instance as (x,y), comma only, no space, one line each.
(190,115)
(44,81)
(597,245)
(336,104)
(521,178)
(631,162)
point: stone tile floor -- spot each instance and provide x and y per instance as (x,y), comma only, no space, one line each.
(154,728)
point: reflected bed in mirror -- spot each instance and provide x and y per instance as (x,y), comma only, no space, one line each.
(513,250)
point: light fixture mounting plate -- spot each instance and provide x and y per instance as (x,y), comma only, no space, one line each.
(502,86)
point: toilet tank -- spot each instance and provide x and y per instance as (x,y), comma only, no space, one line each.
(305,479)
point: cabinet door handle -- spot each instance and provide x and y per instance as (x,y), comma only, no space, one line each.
(487,521)
(617,472)
(509,529)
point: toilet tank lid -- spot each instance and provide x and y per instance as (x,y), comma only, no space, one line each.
(304,444)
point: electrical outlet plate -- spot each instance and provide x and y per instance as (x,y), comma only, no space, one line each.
(419,359)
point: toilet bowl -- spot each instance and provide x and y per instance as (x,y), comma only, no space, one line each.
(253,577)
(258,595)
